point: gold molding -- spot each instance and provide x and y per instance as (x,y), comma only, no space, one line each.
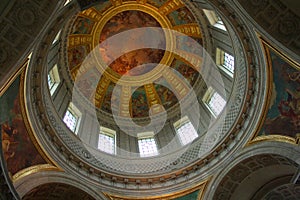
(200,186)
(32,170)
(170,6)
(278,138)
(75,40)
(100,92)
(191,29)
(266,47)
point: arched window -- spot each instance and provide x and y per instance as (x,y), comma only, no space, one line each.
(185,131)
(53,79)
(147,144)
(214,101)
(106,140)
(72,118)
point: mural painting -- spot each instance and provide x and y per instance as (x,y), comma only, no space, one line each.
(108,101)
(157,3)
(115,98)
(191,196)
(102,6)
(189,73)
(188,44)
(87,82)
(17,147)
(77,55)
(181,16)
(139,104)
(283,116)
(82,25)
(124,64)
(167,97)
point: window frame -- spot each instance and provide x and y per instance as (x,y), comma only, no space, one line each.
(75,112)
(207,98)
(220,60)
(55,79)
(214,19)
(181,135)
(145,136)
(109,133)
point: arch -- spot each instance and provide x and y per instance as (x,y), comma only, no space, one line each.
(268,163)
(26,184)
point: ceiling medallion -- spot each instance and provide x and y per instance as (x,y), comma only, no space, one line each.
(139,65)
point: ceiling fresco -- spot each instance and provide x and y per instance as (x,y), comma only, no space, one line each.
(97,24)
(283,113)
(19,150)
(123,65)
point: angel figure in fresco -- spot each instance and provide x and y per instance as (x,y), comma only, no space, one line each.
(185,15)
(7,133)
(291,107)
(75,56)
(140,101)
(167,97)
(82,26)
(187,72)
(139,106)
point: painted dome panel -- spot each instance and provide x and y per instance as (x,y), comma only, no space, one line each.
(181,16)
(136,64)
(157,3)
(189,73)
(167,97)
(106,105)
(103,6)
(82,25)
(76,55)
(124,64)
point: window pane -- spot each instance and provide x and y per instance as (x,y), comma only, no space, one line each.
(147,147)
(186,133)
(70,120)
(106,143)
(216,103)
(228,62)
(50,82)
(53,79)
